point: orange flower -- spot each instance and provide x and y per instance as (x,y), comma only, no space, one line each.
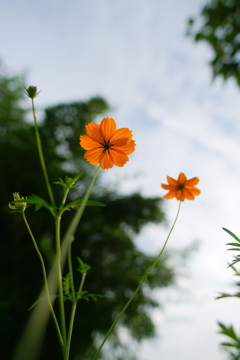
(105,143)
(181,188)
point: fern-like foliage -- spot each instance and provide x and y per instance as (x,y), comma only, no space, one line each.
(235,246)
(232,345)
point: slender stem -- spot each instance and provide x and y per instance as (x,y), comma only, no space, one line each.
(145,276)
(45,279)
(65,195)
(81,284)
(159,255)
(71,270)
(74,224)
(53,275)
(65,248)
(60,285)
(41,156)
(73,312)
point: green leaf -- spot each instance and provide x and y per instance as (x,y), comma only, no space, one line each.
(77,177)
(93,296)
(234,249)
(228,344)
(234,262)
(86,296)
(69,296)
(222,296)
(83,267)
(69,182)
(228,331)
(234,244)
(61,182)
(79,201)
(67,280)
(37,201)
(232,234)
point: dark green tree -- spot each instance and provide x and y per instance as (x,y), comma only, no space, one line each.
(220,28)
(104,239)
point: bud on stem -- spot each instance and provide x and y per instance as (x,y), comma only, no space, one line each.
(32,92)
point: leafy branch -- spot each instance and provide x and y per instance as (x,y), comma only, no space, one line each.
(235,246)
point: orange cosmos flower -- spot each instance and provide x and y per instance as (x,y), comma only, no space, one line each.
(107,145)
(181,188)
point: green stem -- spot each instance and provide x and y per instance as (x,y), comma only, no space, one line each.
(65,247)
(60,285)
(41,156)
(45,279)
(65,195)
(71,271)
(71,322)
(73,226)
(145,276)
(53,275)
(82,283)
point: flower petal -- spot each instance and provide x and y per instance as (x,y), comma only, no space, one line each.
(129,148)
(192,182)
(107,127)
(93,132)
(88,143)
(180,195)
(194,191)
(120,134)
(171,181)
(94,156)
(188,195)
(119,142)
(168,187)
(171,194)
(119,158)
(107,162)
(181,178)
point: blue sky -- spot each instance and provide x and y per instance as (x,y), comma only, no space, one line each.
(136,55)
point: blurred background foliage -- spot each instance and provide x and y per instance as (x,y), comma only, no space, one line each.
(104,239)
(219,26)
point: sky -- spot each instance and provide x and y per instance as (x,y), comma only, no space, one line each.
(158,82)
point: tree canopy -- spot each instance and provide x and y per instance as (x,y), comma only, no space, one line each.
(104,239)
(220,28)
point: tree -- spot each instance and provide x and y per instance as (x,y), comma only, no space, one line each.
(104,238)
(221,30)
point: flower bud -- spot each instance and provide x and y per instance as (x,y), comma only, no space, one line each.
(18,205)
(32,92)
